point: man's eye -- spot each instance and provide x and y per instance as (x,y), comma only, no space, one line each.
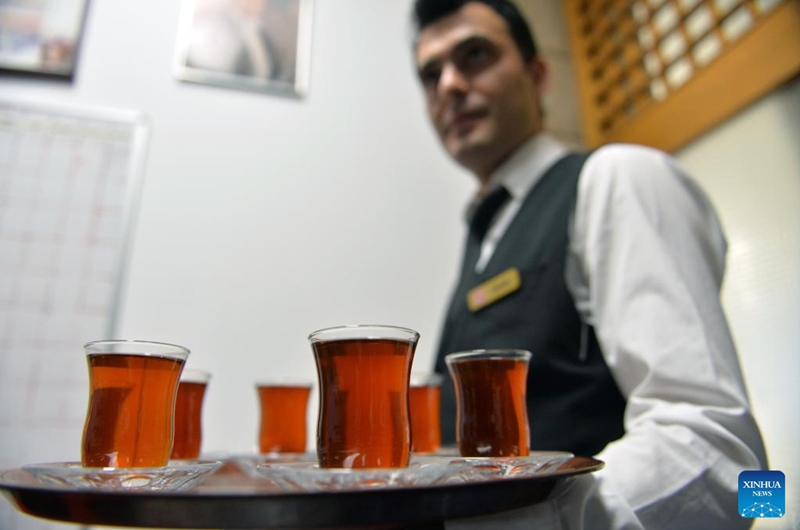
(477,54)
(430,78)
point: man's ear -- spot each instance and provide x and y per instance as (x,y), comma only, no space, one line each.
(539,74)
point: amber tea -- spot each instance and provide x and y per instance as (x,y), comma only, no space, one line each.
(491,415)
(133,386)
(283,408)
(188,415)
(363,380)
(424,400)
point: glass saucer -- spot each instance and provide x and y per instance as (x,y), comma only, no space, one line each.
(308,476)
(175,476)
(249,463)
(481,468)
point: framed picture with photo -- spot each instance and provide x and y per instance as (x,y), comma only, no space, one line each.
(41,38)
(260,45)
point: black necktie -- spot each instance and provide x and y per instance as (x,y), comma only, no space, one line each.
(479,224)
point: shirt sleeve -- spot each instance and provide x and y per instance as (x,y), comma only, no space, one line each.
(645,265)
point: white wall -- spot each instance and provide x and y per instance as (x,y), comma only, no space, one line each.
(264,218)
(751,168)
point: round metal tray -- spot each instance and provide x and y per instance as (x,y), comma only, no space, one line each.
(233,499)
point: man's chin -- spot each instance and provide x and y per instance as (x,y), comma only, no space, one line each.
(461,147)
(467,148)
(474,157)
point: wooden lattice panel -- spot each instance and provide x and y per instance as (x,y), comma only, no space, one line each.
(661,72)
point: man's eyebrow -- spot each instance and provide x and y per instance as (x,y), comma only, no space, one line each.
(470,41)
(462,45)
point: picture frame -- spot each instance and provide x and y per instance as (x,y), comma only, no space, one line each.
(256,45)
(40,38)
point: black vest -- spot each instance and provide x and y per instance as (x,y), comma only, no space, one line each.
(572,400)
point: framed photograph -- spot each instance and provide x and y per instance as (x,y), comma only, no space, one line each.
(41,37)
(261,45)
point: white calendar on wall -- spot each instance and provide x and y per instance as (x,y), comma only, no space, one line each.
(70,179)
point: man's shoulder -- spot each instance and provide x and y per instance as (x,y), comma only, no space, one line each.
(634,165)
(624,154)
(624,172)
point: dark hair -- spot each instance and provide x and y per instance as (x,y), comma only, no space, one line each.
(427,12)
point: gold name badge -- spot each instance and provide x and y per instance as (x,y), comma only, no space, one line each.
(494,289)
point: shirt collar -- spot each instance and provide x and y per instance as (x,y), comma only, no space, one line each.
(523,169)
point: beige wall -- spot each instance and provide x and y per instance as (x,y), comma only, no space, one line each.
(562,109)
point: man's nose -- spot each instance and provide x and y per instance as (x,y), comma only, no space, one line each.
(452,81)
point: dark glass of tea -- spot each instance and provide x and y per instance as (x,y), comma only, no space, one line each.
(491,415)
(424,399)
(284,407)
(189,414)
(363,374)
(132,391)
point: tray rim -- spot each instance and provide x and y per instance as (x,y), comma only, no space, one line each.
(285,509)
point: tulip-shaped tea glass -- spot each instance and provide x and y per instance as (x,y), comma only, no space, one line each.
(130,417)
(363,374)
(491,415)
(283,405)
(189,414)
(425,395)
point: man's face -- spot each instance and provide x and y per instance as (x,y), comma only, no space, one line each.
(482,98)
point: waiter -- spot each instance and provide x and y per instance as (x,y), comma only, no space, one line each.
(607,266)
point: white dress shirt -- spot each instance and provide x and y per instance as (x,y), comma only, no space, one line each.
(645,265)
